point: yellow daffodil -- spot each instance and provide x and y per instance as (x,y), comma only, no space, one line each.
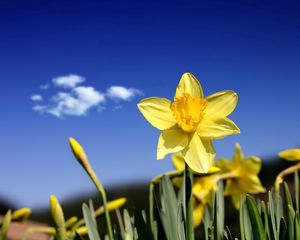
(292,154)
(202,187)
(241,174)
(191,122)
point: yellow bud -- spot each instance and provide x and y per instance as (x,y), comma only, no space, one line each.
(57,212)
(21,214)
(5,224)
(79,153)
(117,203)
(71,221)
(82,230)
(112,205)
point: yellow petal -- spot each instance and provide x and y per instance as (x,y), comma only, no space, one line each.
(231,187)
(198,213)
(189,84)
(251,165)
(290,154)
(178,161)
(213,170)
(171,141)
(158,112)
(236,200)
(199,154)
(238,155)
(251,184)
(220,104)
(217,128)
(223,164)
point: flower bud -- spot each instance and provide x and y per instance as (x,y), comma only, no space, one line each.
(57,212)
(21,214)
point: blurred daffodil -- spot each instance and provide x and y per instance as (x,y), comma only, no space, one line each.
(191,122)
(241,175)
(202,187)
(21,214)
(292,154)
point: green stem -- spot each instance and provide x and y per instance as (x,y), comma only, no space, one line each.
(103,195)
(151,213)
(31,230)
(189,203)
(285,172)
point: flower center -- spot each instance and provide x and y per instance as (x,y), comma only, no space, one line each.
(188,111)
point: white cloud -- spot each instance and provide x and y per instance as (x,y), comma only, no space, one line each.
(36,97)
(76,100)
(68,81)
(45,86)
(75,103)
(39,108)
(121,93)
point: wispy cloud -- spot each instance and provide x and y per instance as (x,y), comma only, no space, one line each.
(36,97)
(68,81)
(121,93)
(76,100)
(45,86)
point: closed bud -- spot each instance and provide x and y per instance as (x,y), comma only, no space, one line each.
(57,212)
(71,221)
(79,153)
(21,214)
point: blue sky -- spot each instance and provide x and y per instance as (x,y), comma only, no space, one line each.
(251,47)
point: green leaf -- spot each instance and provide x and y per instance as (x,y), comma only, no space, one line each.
(296,180)
(219,213)
(120,222)
(181,223)
(291,216)
(282,230)
(142,228)
(160,233)
(127,221)
(169,207)
(297,226)
(90,223)
(256,222)
(245,224)
(227,234)
(265,219)
(287,195)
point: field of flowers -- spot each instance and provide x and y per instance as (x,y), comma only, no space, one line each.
(188,202)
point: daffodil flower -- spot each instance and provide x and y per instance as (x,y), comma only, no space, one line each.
(242,175)
(191,122)
(202,187)
(292,154)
